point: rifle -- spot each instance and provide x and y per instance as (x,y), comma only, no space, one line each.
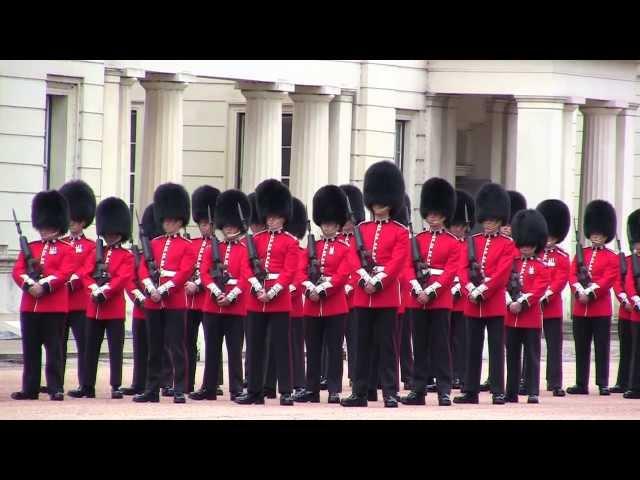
(635,267)
(475,274)
(256,267)
(314,267)
(100,273)
(34,271)
(218,271)
(366,261)
(583,274)
(136,255)
(623,260)
(514,287)
(154,273)
(419,266)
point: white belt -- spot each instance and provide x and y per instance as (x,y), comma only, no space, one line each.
(167,273)
(325,279)
(272,276)
(232,281)
(432,271)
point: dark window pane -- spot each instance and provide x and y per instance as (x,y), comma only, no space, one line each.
(132,163)
(286,162)
(239,149)
(285,181)
(287,120)
(134,117)
(132,182)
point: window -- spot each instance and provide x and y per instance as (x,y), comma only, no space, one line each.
(239,148)
(47,145)
(399,151)
(287,123)
(132,161)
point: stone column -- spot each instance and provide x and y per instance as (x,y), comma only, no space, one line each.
(510,144)
(435,106)
(110,135)
(262,134)
(625,133)
(569,173)
(124,150)
(598,153)
(449,140)
(309,145)
(496,112)
(163,125)
(538,166)
(340,126)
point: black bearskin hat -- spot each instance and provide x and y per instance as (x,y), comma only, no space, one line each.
(330,205)
(171,200)
(226,212)
(202,199)
(81,199)
(384,185)
(49,209)
(558,217)
(492,202)
(518,202)
(464,199)
(633,227)
(529,229)
(600,217)
(297,223)
(356,200)
(437,196)
(403,215)
(273,198)
(113,217)
(150,225)
(255,217)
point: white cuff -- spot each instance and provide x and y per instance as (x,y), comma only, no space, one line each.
(324,286)
(48,280)
(213,288)
(482,288)
(257,286)
(197,282)
(416,286)
(578,287)
(347,289)
(524,298)
(470,287)
(273,291)
(508,298)
(292,288)
(148,284)
(233,294)
(364,275)
(139,295)
(27,279)
(308,284)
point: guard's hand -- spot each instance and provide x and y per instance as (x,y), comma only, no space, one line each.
(191,288)
(223,301)
(314,297)
(156,296)
(423,298)
(370,288)
(628,307)
(36,290)
(263,297)
(583,298)
(515,308)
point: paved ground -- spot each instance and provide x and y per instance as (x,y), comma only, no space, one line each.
(103,408)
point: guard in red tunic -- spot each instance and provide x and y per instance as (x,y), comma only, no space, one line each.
(557,261)
(591,283)
(428,298)
(224,275)
(166,304)
(41,271)
(106,274)
(326,271)
(356,201)
(624,325)
(378,263)
(269,304)
(632,287)
(462,222)
(528,282)
(82,209)
(203,201)
(484,273)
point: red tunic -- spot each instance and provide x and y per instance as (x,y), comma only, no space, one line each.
(134,286)
(387,240)
(332,256)
(603,267)
(296,289)
(458,302)
(175,259)
(630,288)
(278,252)
(495,263)
(558,263)
(196,302)
(119,263)
(534,278)
(620,291)
(441,252)
(235,257)
(57,260)
(83,249)
(353,278)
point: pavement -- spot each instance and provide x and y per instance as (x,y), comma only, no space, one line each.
(579,407)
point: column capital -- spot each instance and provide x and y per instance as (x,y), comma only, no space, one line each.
(265,94)
(309,97)
(162,85)
(317,90)
(600,111)
(497,104)
(548,99)
(440,100)
(127,81)
(248,85)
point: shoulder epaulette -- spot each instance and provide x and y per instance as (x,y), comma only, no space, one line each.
(64,242)
(562,252)
(365,221)
(506,236)
(476,234)
(343,242)
(155,238)
(292,236)
(185,239)
(398,223)
(451,234)
(607,248)
(259,233)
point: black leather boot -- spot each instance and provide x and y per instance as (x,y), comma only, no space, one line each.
(203,394)
(250,399)
(413,398)
(147,397)
(354,401)
(88,392)
(24,396)
(466,398)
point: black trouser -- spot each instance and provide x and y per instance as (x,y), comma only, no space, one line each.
(194,318)
(140,353)
(115,339)
(166,376)
(350,335)
(495,332)
(553,339)
(76,322)
(327,331)
(40,329)
(584,330)
(269,331)
(405,328)
(216,329)
(297,351)
(245,327)
(431,348)
(626,342)
(167,327)
(634,377)
(270,374)
(516,339)
(376,328)
(324,362)
(458,344)
(374,367)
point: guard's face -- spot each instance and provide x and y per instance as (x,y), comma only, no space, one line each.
(171,225)
(435,220)
(380,210)
(528,251)
(230,231)
(76,227)
(597,239)
(491,226)
(112,238)
(274,222)
(329,229)
(48,233)
(348,227)
(205,227)
(458,230)
(506,230)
